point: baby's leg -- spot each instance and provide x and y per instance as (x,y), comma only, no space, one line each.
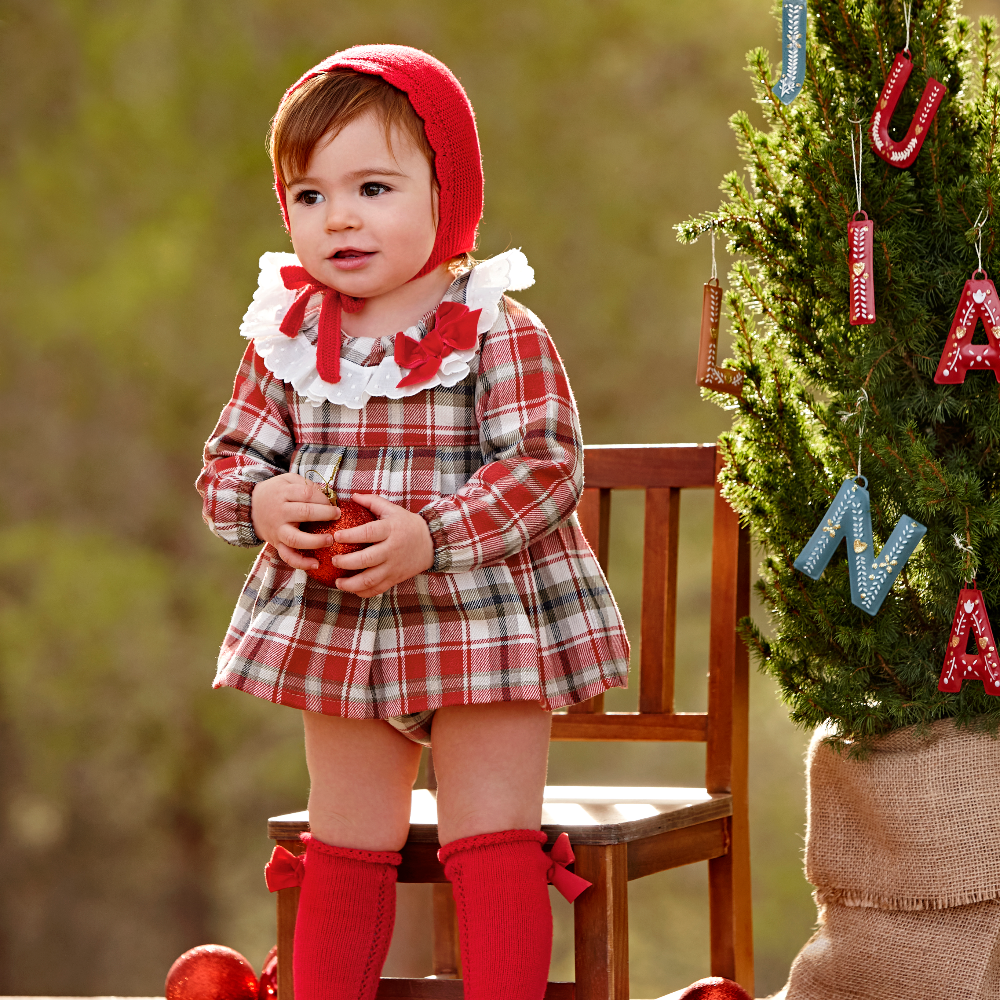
(490,762)
(361,773)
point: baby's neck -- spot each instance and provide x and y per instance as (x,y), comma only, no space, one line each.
(385,315)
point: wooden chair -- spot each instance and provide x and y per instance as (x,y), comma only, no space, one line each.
(619,834)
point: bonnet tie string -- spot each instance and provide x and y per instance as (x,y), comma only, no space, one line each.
(328,341)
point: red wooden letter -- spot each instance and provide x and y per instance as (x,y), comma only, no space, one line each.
(860,255)
(902,154)
(970,615)
(978,302)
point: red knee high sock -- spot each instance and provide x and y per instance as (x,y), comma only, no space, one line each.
(499,881)
(346,913)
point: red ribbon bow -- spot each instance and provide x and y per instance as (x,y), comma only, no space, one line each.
(328,340)
(455,329)
(284,870)
(566,882)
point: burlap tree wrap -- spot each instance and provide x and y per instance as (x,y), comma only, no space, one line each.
(903,849)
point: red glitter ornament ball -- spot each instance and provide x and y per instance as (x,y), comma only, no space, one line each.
(714,988)
(352,514)
(267,989)
(211,972)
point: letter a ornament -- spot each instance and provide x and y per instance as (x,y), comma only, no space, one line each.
(849,517)
(983,665)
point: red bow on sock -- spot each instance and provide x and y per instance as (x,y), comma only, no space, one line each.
(284,870)
(566,882)
(454,330)
(328,340)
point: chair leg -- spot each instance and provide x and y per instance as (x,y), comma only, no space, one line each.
(600,919)
(288,909)
(721,911)
(447,953)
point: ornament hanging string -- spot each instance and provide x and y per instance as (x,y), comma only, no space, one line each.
(907,7)
(856,156)
(715,273)
(968,554)
(980,220)
(860,409)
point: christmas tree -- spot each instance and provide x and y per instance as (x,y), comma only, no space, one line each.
(821,395)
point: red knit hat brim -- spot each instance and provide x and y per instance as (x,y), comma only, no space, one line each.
(450,127)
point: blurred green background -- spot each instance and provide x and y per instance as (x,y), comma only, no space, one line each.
(134,202)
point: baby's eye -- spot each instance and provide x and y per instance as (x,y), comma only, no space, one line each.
(373,189)
(308,197)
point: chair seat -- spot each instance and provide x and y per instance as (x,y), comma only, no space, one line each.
(589,814)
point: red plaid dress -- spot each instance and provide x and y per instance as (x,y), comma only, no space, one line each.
(515,607)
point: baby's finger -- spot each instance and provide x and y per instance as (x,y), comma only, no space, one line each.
(379,506)
(295,539)
(295,559)
(312,512)
(367,584)
(364,534)
(362,559)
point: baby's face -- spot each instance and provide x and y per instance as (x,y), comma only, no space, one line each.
(363,219)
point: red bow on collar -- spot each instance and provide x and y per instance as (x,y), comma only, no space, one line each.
(328,339)
(454,330)
(284,870)
(566,882)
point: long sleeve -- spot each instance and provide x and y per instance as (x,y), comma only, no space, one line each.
(532,473)
(252,442)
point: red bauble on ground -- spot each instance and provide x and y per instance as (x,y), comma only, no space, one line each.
(211,972)
(267,989)
(713,988)
(352,514)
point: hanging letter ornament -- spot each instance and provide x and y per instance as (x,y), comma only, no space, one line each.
(849,517)
(710,375)
(978,302)
(793,51)
(983,665)
(902,154)
(860,257)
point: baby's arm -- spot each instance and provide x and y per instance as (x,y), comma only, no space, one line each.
(532,476)
(245,482)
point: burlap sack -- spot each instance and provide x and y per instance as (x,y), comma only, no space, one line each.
(904,851)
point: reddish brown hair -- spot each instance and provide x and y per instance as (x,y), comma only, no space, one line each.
(325,104)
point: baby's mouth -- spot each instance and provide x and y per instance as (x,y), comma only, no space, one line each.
(350,254)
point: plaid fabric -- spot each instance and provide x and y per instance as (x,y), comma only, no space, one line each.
(515,607)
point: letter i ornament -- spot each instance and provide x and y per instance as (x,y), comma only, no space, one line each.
(860,250)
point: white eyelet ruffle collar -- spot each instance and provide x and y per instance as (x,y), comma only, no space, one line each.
(293,359)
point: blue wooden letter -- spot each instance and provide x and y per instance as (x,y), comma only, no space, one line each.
(849,517)
(793,50)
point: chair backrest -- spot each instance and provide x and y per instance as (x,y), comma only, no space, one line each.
(662,472)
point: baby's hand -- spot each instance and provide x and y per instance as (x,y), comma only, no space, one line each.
(400,548)
(277,506)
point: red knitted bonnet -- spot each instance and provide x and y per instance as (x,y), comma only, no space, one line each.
(450,127)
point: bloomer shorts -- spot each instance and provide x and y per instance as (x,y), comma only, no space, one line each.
(416,726)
